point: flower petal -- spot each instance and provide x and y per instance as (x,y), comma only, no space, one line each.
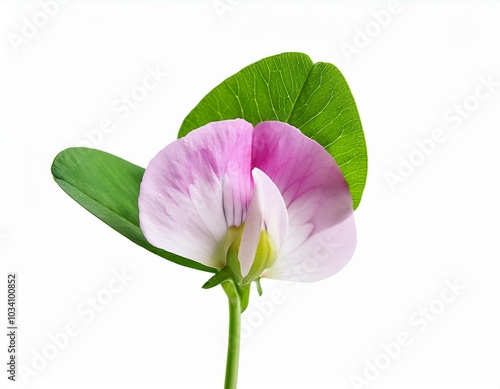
(266,212)
(196,188)
(315,192)
(312,258)
(306,175)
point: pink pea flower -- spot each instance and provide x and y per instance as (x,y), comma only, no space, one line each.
(269,196)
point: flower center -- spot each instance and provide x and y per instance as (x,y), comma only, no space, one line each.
(264,257)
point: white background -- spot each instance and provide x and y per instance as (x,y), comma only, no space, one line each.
(162,330)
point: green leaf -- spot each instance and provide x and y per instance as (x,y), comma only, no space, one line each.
(108,187)
(290,88)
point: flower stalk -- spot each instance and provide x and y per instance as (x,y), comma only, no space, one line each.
(233,347)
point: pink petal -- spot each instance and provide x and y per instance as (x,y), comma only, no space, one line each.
(267,211)
(313,187)
(309,258)
(306,175)
(196,188)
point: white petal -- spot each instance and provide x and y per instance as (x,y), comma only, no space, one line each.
(267,211)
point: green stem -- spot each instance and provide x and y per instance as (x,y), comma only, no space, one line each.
(233,347)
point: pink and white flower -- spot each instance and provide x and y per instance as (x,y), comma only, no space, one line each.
(269,194)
